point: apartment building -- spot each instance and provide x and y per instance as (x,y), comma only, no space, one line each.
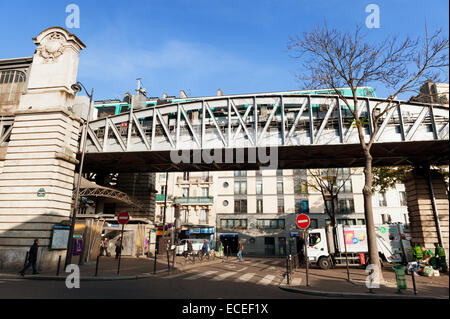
(193,193)
(259,208)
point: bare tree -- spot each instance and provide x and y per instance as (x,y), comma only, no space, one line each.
(334,59)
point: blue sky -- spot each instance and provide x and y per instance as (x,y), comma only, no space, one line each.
(200,46)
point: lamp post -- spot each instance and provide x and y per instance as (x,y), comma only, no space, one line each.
(77,88)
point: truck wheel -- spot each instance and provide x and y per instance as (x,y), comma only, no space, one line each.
(324,263)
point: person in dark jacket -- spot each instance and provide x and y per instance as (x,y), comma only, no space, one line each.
(32,258)
(118,246)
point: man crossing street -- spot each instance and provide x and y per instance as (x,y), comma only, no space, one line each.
(32,258)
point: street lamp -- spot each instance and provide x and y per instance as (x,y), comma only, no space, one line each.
(77,87)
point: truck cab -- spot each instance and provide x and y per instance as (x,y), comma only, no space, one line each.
(317,244)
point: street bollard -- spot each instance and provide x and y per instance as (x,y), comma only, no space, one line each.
(96,265)
(414,282)
(287,270)
(59,264)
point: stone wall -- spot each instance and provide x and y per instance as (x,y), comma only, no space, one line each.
(421,216)
(36,182)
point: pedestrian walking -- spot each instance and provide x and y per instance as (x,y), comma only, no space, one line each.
(440,257)
(118,246)
(241,250)
(205,248)
(32,258)
(219,252)
(104,248)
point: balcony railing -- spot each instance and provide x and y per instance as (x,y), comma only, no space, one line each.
(193,200)
(162,198)
(195,179)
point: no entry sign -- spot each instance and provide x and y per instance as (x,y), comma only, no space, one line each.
(123,218)
(302,221)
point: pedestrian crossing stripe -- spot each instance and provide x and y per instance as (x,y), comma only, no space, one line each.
(296,281)
(266,280)
(224,276)
(245,277)
(204,274)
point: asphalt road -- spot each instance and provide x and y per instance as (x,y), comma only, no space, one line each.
(252,279)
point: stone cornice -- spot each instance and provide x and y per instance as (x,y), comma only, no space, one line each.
(51,110)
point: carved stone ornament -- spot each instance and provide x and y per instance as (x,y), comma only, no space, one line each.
(52,47)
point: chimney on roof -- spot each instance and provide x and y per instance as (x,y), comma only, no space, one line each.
(165,96)
(219,92)
(183,94)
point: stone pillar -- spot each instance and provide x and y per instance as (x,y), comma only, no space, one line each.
(139,186)
(422,219)
(36,183)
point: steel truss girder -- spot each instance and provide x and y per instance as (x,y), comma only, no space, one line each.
(327,123)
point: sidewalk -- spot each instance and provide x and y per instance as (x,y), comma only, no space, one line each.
(130,268)
(333,283)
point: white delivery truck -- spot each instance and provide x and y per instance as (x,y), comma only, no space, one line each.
(350,243)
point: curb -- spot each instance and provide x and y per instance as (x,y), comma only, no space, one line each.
(91,278)
(354,295)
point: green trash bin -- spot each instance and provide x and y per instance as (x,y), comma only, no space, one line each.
(400,276)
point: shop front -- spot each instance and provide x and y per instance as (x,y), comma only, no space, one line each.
(206,233)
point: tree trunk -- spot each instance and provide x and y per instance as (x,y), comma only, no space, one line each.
(368,212)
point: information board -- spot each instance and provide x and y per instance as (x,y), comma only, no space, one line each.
(60,237)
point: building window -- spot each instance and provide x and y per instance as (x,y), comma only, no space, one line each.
(314,223)
(205,191)
(402,196)
(185,191)
(163,190)
(225,203)
(382,202)
(185,176)
(225,185)
(259,187)
(280,206)
(185,216)
(360,222)
(163,177)
(346,206)
(240,206)
(300,187)
(385,218)
(301,206)
(280,188)
(240,173)
(233,223)
(270,224)
(12,85)
(405,217)
(279,172)
(259,206)
(345,185)
(240,188)
(204,216)
(346,222)
(258,173)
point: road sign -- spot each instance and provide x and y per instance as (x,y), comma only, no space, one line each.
(123,218)
(302,221)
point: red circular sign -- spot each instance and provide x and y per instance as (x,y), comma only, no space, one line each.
(302,221)
(123,218)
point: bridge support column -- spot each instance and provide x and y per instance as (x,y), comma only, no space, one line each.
(36,184)
(428,208)
(37,179)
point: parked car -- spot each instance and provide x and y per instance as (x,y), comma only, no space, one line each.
(196,245)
